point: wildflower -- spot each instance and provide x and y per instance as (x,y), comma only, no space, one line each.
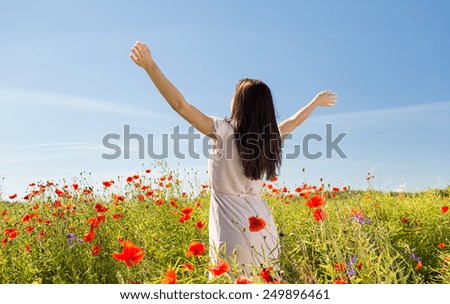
(88,237)
(183,217)
(107,184)
(315,202)
(404,220)
(267,277)
(100,208)
(243,280)
(415,257)
(131,254)
(195,249)
(338,281)
(441,245)
(170,278)
(27,248)
(256,223)
(95,221)
(95,250)
(220,268)
(186,210)
(444,209)
(141,197)
(117,216)
(188,266)
(29,229)
(199,225)
(319,215)
(339,267)
(129,179)
(419,265)
(148,171)
(5,241)
(75,187)
(13,196)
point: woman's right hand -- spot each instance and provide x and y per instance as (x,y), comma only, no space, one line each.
(142,56)
(325,99)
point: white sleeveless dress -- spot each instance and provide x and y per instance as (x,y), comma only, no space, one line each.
(234,199)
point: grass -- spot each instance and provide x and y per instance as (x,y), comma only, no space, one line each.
(365,236)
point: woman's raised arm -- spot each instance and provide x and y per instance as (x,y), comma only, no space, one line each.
(322,99)
(142,57)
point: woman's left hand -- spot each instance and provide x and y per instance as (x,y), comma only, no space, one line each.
(142,55)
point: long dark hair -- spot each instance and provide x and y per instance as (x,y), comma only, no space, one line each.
(255,128)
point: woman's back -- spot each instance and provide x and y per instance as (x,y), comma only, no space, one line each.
(226,173)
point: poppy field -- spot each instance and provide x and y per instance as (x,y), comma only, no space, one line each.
(152,227)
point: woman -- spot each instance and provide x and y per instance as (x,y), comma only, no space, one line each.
(247,149)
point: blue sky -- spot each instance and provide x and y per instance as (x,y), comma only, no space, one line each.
(66,81)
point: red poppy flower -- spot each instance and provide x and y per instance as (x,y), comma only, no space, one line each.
(148,171)
(404,220)
(5,213)
(129,179)
(94,222)
(95,250)
(13,196)
(267,277)
(339,282)
(183,217)
(199,225)
(5,241)
(159,202)
(195,249)
(13,234)
(186,210)
(256,223)
(29,229)
(419,265)
(220,268)
(441,245)
(339,267)
(315,202)
(131,254)
(444,209)
(107,184)
(319,215)
(141,197)
(75,187)
(188,266)
(149,193)
(170,278)
(27,248)
(88,237)
(117,215)
(174,204)
(243,280)
(26,218)
(101,208)
(59,192)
